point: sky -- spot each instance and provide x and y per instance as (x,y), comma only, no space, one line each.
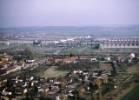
(24,13)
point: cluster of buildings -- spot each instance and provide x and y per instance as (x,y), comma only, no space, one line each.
(103,43)
(8,65)
(74,85)
(75,42)
(21,86)
(72,59)
(77,84)
(62,59)
(99,43)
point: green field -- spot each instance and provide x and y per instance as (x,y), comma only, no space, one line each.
(132,95)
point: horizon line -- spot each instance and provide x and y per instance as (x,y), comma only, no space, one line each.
(115,25)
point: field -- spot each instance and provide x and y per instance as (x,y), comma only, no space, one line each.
(76,50)
(133,69)
(53,72)
(132,95)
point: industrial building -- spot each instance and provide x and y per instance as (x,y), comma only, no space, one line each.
(132,43)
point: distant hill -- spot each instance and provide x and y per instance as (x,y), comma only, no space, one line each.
(124,31)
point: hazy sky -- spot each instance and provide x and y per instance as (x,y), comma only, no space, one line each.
(18,13)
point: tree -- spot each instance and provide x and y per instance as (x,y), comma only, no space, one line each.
(28,53)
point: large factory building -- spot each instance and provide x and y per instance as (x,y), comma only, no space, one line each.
(119,43)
